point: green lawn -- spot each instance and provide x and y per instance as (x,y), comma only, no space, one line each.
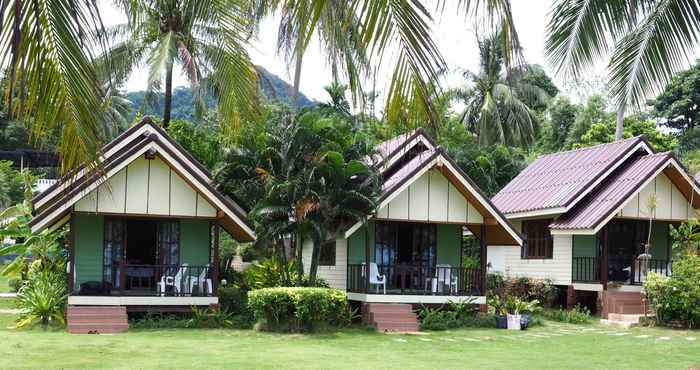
(549,347)
(4,286)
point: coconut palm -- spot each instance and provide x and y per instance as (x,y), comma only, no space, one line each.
(206,38)
(355,31)
(46,48)
(494,110)
(646,42)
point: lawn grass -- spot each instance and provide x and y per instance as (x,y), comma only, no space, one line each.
(7,303)
(353,348)
(4,282)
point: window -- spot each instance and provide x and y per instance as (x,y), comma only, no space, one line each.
(326,255)
(538,239)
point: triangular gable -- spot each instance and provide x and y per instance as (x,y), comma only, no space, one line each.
(627,194)
(110,193)
(435,165)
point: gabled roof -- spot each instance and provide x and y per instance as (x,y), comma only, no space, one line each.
(54,205)
(498,229)
(554,183)
(388,152)
(591,213)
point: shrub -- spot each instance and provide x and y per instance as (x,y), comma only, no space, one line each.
(480,320)
(437,319)
(233,300)
(271,272)
(298,309)
(676,299)
(42,299)
(577,315)
(15,284)
(203,318)
(524,288)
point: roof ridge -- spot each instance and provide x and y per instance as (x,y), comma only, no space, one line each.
(633,138)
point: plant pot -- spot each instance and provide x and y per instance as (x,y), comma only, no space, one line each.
(513,322)
(501,322)
(524,321)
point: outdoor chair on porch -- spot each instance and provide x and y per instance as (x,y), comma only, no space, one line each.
(172,281)
(443,276)
(202,282)
(374,277)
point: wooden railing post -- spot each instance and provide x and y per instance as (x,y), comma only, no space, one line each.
(482,258)
(122,277)
(215,268)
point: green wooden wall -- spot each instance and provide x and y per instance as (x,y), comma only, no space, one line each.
(89,231)
(194,242)
(89,239)
(448,244)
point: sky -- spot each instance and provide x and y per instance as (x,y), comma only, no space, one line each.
(453,34)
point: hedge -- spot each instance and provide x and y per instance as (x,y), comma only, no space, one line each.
(298,309)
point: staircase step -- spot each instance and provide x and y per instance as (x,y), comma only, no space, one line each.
(390,307)
(634,318)
(97,328)
(397,327)
(97,319)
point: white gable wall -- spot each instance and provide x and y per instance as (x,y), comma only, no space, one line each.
(670,203)
(148,187)
(431,198)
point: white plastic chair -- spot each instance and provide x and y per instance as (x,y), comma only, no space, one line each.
(374,277)
(173,281)
(201,281)
(443,276)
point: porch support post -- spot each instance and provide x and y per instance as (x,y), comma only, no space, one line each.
(366,272)
(604,263)
(215,262)
(482,258)
(71,255)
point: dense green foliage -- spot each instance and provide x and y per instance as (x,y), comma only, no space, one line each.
(676,299)
(11,185)
(298,309)
(678,105)
(43,296)
(576,315)
(526,289)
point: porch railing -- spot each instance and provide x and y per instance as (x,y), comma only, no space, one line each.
(586,269)
(162,280)
(629,271)
(418,280)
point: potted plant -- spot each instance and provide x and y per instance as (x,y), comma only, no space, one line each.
(516,307)
(498,307)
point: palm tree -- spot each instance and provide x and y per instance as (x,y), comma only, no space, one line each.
(494,110)
(348,192)
(357,34)
(647,43)
(206,38)
(46,47)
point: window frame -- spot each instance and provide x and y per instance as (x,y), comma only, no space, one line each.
(539,246)
(328,245)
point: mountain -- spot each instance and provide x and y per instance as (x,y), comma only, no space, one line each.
(273,87)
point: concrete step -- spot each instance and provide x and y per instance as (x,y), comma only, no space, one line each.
(398,328)
(619,324)
(633,318)
(75,328)
(383,316)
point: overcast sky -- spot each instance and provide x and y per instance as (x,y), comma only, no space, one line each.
(453,34)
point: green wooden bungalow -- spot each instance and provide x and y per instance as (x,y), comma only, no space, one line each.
(415,244)
(587,215)
(144,233)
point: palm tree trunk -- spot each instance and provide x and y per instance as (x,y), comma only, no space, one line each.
(167,106)
(313,269)
(620,120)
(300,260)
(297,78)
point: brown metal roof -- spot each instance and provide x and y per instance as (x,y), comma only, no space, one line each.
(612,193)
(556,180)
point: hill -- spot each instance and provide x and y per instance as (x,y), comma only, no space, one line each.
(273,87)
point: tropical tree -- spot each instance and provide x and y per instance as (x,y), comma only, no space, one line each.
(206,38)
(356,34)
(678,105)
(494,109)
(647,43)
